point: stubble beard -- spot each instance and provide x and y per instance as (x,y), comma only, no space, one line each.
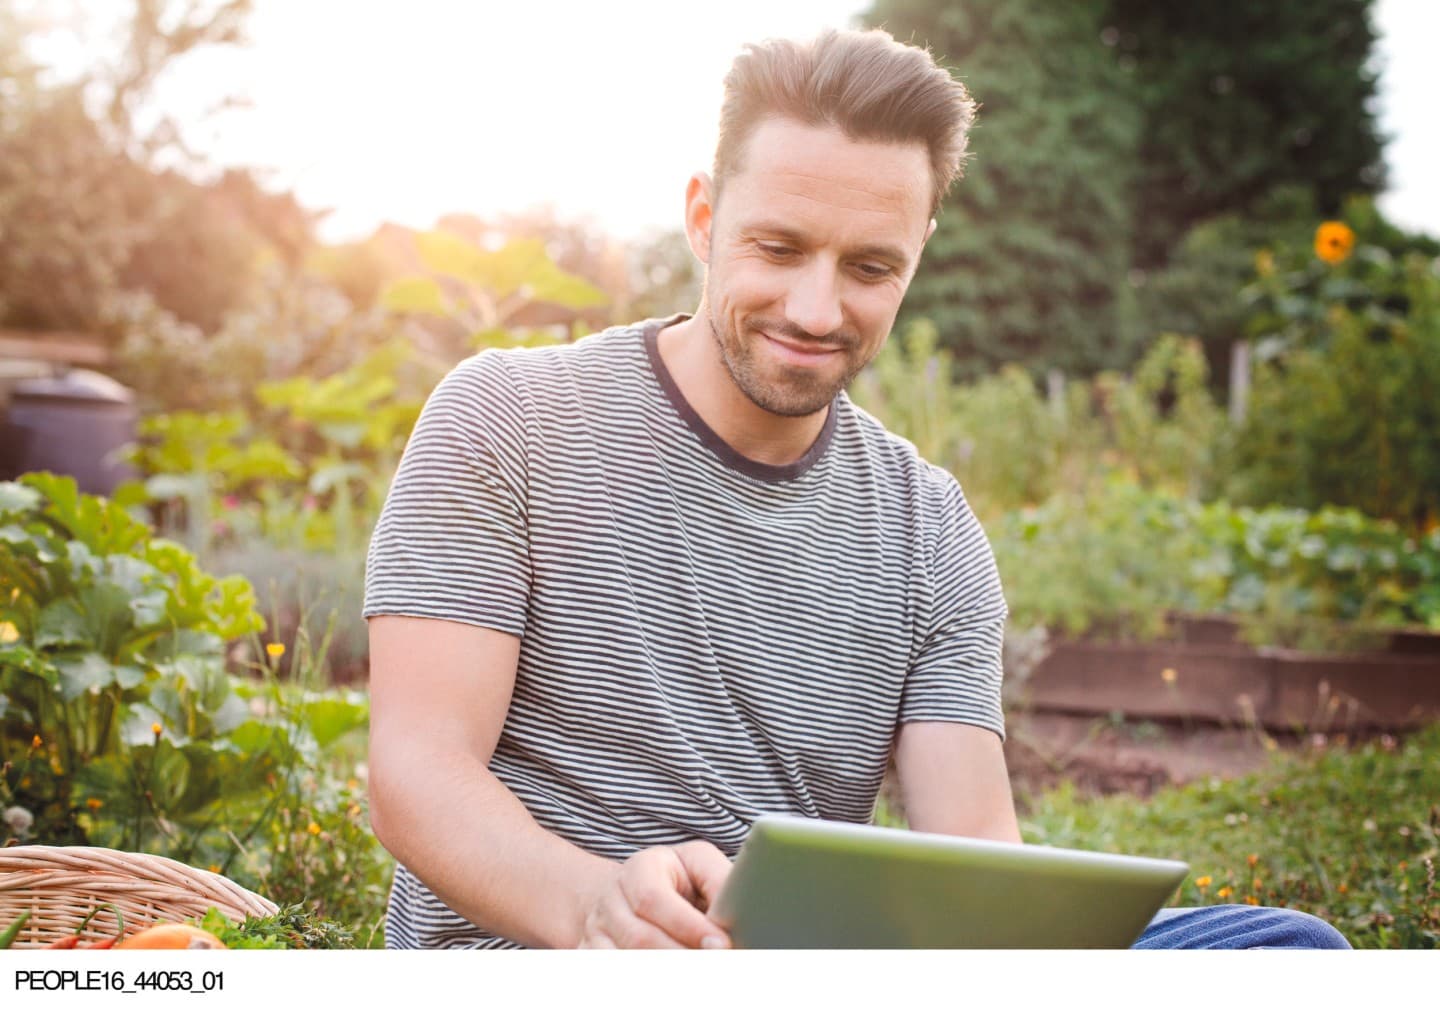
(800,394)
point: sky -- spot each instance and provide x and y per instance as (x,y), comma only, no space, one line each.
(404,110)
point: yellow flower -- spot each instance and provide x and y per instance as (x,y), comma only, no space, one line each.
(1169,675)
(1203,881)
(1265,262)
(37,742)
(314,829)
(1333,242)
(1252,901)
(1223,892)
(155,728)
(94,803)
(8,633)
(275,649)
(213,867)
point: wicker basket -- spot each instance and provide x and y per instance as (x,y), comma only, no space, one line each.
(59,886)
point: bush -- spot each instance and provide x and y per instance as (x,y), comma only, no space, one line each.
(1346,402)
(1011,446)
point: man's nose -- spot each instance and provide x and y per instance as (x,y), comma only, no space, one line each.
(813,302)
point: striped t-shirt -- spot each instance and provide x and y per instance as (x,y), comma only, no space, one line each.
(704,638)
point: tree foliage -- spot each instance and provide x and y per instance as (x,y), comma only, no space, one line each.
(1239,98)
(1034,240)
(1109,130)
(87,213)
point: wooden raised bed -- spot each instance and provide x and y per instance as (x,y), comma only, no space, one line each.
(1210,677)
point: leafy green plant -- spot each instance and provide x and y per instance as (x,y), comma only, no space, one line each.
(1120,560)
(293,926)
(115,694)
(122,724)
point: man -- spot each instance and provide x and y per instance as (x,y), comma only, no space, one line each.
(629,594)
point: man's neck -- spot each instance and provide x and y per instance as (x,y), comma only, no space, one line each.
(692,357)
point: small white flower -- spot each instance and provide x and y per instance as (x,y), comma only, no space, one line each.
(19,820)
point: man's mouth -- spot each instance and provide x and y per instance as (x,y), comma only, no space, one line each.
(801,353)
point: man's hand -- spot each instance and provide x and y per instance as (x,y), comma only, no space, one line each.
(658,899)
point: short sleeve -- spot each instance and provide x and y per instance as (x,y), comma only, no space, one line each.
(451,542)
(956,674)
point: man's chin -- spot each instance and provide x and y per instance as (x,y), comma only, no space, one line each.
(781,399)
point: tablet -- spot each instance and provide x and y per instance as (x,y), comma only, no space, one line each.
(801,883)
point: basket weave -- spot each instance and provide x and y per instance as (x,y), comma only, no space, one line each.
(59,886)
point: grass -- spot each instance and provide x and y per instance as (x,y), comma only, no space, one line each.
(1352,836)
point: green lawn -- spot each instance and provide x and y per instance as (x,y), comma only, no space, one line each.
(1350,836)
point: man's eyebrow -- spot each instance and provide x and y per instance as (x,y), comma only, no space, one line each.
(787,234)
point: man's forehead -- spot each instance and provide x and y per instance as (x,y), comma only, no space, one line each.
(792,169)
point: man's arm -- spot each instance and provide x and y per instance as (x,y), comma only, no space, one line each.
(439,694)
(953,780)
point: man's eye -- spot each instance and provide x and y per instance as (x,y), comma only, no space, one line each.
(873,271)
(777,251)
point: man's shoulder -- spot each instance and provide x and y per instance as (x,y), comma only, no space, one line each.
(605,347)
(606,356)
(895,455)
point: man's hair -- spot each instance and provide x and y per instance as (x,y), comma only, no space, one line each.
(865,83)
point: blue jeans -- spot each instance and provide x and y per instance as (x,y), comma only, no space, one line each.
(1238,926)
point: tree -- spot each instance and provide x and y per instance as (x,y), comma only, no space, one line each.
(86,214)
(1031,254)
(1241,98)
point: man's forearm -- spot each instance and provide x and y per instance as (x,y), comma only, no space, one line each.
(471,841)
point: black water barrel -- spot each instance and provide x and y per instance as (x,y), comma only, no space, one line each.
(73,423)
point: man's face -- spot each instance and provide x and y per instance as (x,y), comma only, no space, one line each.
(810,250)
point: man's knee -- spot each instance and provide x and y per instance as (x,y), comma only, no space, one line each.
(1239,926)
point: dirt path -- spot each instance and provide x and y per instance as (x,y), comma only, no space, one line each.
(1102,756)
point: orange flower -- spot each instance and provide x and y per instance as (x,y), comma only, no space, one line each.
(1250,860)
(94,803)
(1202,881)
(1223,892)
(275,649)
(1333,242)
(1252,901)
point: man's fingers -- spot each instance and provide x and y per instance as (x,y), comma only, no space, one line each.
(618,925)
(707,867)
(658,890)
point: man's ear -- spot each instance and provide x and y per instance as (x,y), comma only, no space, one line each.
(928,232)
(699,214)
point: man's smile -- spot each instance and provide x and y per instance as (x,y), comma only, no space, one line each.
(800,353)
